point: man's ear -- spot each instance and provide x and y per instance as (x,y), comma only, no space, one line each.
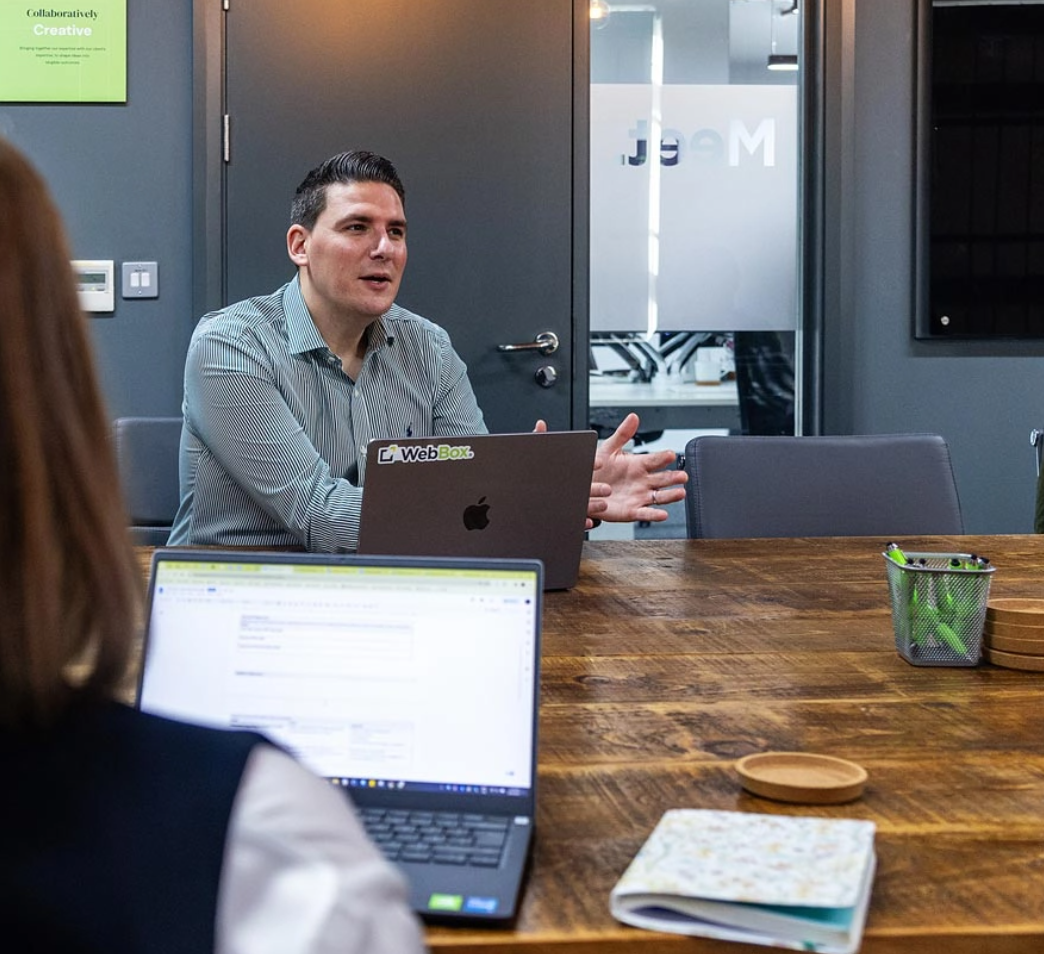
(297,244)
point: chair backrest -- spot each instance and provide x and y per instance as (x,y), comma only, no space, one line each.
(877,485)
(1037,443)
(147,451)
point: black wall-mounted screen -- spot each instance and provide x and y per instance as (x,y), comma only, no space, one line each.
(981,262)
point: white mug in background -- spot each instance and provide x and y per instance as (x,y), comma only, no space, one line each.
(709,365)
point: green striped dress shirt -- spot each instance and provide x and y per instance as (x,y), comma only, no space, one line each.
(273,447)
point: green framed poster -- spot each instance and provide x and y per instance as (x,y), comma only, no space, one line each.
(55,51)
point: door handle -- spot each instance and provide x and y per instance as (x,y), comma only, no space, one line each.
(546,343)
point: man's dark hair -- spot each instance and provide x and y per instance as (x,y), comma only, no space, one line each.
(347,167)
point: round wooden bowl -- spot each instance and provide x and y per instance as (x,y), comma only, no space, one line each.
(1013,660)
(1027,611)
(1012,644)
(1027,631)
(802,777)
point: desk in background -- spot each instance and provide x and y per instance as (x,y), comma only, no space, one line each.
(673,658)
(665,404)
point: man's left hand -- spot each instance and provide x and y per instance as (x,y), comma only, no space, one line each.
(640,483)
(626,486)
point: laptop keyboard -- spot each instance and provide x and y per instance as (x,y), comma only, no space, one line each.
(444,838)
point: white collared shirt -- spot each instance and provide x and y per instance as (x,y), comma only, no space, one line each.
(300,875)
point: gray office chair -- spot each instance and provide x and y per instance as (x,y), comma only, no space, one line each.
(147,456)
(879,485)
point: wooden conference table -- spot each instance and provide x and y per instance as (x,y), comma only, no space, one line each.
(671,659)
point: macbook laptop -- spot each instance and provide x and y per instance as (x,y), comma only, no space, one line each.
(493,495)
(409,683)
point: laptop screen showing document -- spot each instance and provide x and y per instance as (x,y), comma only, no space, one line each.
(412,683)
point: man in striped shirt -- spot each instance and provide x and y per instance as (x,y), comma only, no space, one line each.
(283,392)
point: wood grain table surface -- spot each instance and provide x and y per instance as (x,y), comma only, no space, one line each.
(671,659)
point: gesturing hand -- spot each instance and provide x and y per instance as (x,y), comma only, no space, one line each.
(627,486)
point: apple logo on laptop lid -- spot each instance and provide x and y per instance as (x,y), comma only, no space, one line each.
(476,515)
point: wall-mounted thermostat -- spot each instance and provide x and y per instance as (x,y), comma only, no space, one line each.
(94,282)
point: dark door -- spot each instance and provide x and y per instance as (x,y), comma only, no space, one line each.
(475,103)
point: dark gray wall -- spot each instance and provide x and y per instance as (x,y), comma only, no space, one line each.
(122,177)
(982,396)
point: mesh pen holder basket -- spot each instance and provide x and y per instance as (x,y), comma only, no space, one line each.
(938,609)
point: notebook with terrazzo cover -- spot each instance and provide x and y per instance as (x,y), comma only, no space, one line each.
(777,880)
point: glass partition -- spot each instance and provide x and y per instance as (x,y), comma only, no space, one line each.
(695,172)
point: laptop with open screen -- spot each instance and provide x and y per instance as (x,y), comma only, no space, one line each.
(411,683)
(492,495)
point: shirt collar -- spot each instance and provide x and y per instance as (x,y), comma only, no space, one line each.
(302,334)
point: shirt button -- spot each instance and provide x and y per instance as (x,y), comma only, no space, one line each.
(356,393)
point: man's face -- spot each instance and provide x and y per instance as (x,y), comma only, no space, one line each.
(352,260)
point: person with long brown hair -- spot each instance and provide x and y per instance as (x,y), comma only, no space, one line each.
(119,831)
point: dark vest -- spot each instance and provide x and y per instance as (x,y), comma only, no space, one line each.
(112,833)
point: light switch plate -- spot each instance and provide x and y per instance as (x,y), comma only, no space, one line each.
(140,280)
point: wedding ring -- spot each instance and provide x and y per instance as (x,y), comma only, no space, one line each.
(654,496)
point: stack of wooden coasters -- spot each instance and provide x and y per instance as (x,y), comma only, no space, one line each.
(1013,634)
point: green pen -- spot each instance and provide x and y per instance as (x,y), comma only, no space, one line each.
(923,616)
(893,551)
(948,603)
(951,639)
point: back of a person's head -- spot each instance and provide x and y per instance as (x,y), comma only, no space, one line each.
(70,591)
